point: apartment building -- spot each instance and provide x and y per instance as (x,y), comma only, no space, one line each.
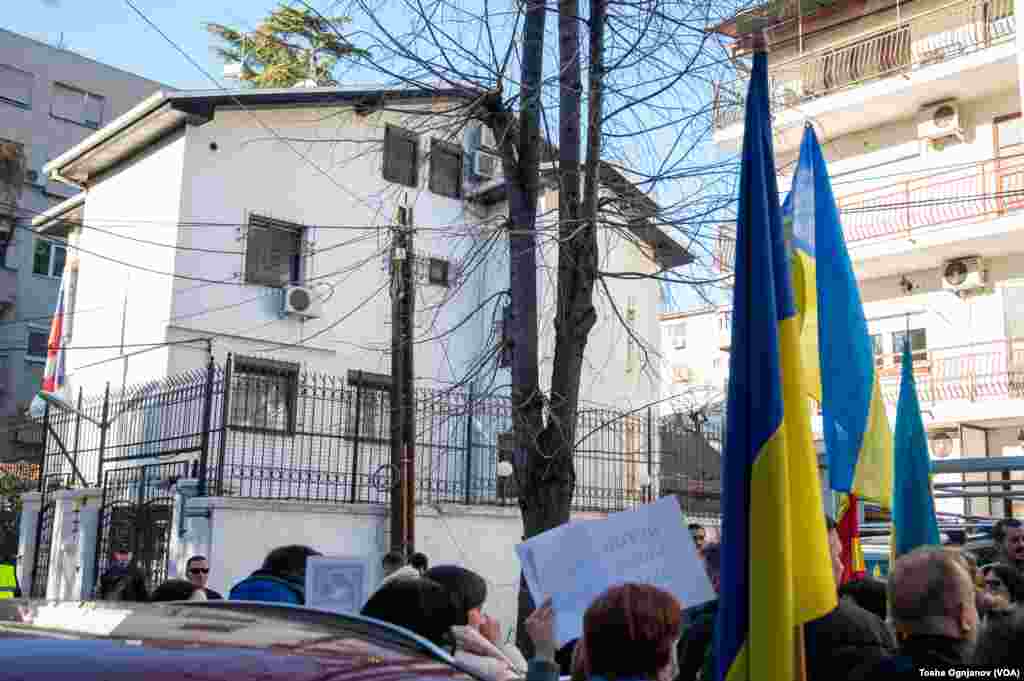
(50,99)
(918,109)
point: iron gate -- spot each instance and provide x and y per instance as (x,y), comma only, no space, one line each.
(44,544)
(136,513)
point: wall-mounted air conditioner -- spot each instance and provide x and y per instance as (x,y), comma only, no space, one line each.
(300,301)
(962,275)
(485,165)
(939,121)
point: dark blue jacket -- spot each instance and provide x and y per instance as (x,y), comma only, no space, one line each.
(270,588)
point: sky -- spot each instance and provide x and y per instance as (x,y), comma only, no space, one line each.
(110,32)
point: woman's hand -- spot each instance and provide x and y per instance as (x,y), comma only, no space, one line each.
(491,629)
(541,628)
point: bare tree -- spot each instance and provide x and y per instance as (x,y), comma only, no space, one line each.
(624,101)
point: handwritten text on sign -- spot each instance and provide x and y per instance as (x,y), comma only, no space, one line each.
(577,562)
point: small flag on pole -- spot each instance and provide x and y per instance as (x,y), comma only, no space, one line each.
(913,508)
(54,376)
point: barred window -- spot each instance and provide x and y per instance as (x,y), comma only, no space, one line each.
(273,252)
(264,394)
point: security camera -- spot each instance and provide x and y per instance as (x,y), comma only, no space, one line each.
(907,285)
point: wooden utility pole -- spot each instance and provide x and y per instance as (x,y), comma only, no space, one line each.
(403,412)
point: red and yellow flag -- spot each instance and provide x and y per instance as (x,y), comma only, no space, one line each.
(848,528)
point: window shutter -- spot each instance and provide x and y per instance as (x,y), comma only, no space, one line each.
(445,169)
(273,253)
(67,103)
(400,156)
(15,85)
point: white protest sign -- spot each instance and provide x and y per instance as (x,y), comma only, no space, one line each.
(335,583)
(577,562)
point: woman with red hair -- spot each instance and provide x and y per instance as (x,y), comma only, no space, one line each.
(630,633)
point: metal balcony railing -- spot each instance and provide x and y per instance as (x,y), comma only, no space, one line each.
(967,194)
(973,372)
(959,196)
(921,40)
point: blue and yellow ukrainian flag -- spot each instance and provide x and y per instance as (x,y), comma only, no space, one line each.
(839,361)
(913,511)
(776,569)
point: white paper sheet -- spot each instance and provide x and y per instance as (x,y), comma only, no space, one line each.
(336,583)
(577,562)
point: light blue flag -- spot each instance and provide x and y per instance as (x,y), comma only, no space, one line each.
(913,508)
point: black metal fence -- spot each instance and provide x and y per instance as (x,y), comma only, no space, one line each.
(262,429)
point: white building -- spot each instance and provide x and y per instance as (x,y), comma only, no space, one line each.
(189,197)
(198,213)
(917,107)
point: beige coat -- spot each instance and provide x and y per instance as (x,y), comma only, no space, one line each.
(485,658)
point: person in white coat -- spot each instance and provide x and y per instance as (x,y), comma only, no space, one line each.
(478,643)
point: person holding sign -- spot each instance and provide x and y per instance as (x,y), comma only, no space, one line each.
(630,632)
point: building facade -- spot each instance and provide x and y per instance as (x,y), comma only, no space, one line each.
(50,100)
(918,110)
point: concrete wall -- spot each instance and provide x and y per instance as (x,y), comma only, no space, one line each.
(239,533)
(44,137)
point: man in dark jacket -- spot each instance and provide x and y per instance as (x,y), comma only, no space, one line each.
(123,580)
(933,609)
(282,579)
(197,571)
(695,647)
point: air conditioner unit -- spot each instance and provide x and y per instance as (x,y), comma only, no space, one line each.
(486,166)
(300,301)
(940,120)
(961,275)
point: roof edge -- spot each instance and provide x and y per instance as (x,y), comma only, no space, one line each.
(127,119)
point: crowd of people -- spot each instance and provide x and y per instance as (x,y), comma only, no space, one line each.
(937,610)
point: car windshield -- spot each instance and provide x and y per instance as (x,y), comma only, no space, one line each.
(297,642)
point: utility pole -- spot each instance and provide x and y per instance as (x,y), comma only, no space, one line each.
(403,412)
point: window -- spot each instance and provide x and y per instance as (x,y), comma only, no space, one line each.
(77,106)
(16,86)
(877,350)
(48,259)
(38,344)
(678,334)
(445,169)
(400,156)
(438,272)
(273,252)
(918,344)
(263,394)
(1009,134)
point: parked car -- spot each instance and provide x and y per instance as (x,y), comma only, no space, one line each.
(222,640)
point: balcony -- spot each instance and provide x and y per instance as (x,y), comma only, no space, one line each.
(974,372)
(897,49)
(968,194)
(931,204)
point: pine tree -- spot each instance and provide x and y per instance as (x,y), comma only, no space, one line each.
(290,46)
